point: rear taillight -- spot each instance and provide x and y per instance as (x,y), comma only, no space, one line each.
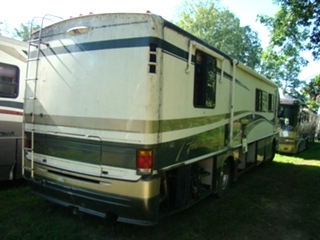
(144,162)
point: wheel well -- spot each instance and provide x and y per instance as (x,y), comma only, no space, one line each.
(274,149)
(231,161)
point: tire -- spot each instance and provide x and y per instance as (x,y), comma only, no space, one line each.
(224,179)
(297,150)
(273,153)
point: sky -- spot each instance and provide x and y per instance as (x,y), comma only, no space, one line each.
(15,12)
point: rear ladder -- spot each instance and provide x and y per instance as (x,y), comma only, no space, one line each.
(34,47)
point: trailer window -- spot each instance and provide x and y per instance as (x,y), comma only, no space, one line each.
(261,101)
(271,103)
(204,80)
(9,81)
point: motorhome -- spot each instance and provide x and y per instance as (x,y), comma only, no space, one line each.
(13,56)
(129,115)
(298,126)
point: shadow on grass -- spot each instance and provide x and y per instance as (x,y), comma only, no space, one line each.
(312,153)
(277,201)
(273,201)
(5,185)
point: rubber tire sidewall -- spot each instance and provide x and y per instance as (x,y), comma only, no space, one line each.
(223,191)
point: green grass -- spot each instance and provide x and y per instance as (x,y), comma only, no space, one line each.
(279,200)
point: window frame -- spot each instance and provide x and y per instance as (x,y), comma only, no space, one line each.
(261,100)
(15,81)
(202,70)
(271,102)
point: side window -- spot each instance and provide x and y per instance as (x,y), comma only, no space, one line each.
(205,77)
(261,101)
(9,81)
(271,103)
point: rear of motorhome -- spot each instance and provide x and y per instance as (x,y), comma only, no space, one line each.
(13,56)
(298,126)
(129,115)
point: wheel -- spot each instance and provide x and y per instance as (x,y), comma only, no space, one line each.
(224,178)
(273,152)
(297,150)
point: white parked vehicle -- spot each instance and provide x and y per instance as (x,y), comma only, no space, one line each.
(13,56)
(131,115)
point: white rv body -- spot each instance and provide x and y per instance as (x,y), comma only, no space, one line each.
(13,56)
(125,106)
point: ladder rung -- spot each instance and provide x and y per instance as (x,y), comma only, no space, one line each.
(28,149)
(34,44)
(31,79)
(33,59)
(38,41)
(35,40)
(28,168)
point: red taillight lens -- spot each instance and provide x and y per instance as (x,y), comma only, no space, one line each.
(144,162)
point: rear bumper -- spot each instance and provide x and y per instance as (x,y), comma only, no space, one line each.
(128,207)
(286,148)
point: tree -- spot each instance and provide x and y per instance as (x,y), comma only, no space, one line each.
(24,32)
(283,70)
(311,93)
(295,26)
(292,31)
(272,66)
(3,27)
(221,29)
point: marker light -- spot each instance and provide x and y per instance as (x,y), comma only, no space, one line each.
(144,162)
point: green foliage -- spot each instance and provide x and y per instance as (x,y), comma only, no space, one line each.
(295,26)
(282,69)
(221,29)
(311,92)
(24,32)
(3,27)
(293,29)
(271,66)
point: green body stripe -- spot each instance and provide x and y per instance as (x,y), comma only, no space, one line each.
(135,126)
(124,154)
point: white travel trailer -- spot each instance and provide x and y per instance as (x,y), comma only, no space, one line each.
(128,114)
(298,126)
(13,56)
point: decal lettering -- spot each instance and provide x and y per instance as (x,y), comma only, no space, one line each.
(6,134)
